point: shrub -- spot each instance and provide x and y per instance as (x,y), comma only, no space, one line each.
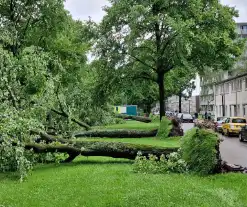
(155,118)
(199,150)
(172,163)
(165,128)
(12,158)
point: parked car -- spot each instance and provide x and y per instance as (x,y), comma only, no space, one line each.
(218,119)
(243,134)
(187,118)
(179,115)
(218,124)
(233,125)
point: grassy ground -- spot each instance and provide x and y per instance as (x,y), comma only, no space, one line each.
(108,182)
(133,125)
(170,142)
(105,182)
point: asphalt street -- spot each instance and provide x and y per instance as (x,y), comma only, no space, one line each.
(232,150)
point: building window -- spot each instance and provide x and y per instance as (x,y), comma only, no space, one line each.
(244,110)
(222,89)
(226,88)
(233,85)
(239,84)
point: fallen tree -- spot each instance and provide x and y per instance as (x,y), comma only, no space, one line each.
(96,148)
(117,134)
(64,114)
(137,118)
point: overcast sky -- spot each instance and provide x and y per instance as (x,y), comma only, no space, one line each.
(82,9)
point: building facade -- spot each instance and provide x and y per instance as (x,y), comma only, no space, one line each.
(190,105)
(231,96)
(225,93)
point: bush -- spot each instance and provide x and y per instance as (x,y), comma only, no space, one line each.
(170,164)
(13,159)
(165,128)
(199,151)
(155,118)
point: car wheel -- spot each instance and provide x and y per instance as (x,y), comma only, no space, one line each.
(240,137)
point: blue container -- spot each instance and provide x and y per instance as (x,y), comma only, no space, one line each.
(131,110)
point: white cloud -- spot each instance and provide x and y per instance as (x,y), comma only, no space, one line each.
(240,5)
(82,9)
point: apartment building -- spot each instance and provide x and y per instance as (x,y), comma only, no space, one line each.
(190,105)
(225,93)
(231,96)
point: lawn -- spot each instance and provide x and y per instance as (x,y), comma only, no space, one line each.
(132,125)
(169,142)
(108,182)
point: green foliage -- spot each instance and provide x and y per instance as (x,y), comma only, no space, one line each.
(165,128)
(149,38)
(154,118)
(45,158)
(199,150)
(13,159)
(172,164)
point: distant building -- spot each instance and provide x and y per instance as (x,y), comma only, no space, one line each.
(190,105)
(225,93)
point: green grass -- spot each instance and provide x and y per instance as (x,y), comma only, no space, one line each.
(105,182)
(108,182)
(169,142)
(132,125)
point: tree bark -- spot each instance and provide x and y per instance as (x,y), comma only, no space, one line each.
(117,134)
(137,118)
(82,124)
(161,94)
(96,148)
(149,108)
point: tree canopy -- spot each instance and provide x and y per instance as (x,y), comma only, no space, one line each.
(154,37)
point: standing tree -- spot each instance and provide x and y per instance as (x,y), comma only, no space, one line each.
(160,36)
(180,82)
(31,22)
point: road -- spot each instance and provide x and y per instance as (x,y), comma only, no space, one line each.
(232,151)
(187,126)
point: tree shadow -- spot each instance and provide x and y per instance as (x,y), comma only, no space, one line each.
(9,176)
(43,167)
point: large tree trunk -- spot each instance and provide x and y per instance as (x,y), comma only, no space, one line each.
(117,134)
(97,148)
(137,118)
(149,108)
(161,94)
(180,102)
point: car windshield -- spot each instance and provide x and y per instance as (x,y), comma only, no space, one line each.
(179,115)
(187,116)
(239,121)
